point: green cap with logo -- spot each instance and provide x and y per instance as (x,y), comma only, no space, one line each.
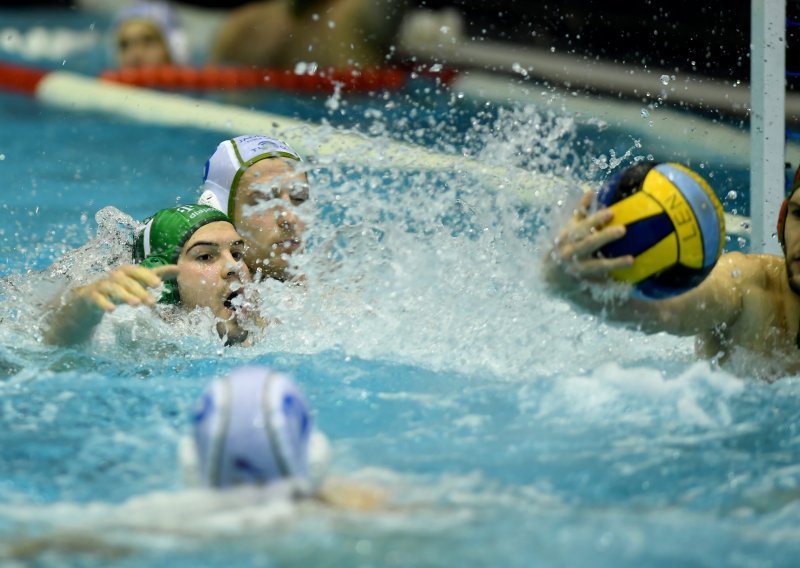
(160,239)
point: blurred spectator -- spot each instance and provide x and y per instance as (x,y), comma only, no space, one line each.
(148,33)
(330,33)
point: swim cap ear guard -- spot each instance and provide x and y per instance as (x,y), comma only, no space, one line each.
(170,294)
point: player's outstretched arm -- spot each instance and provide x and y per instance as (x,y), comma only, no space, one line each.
(572,266)
(78,312)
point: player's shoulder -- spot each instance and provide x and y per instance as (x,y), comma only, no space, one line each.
(751,269)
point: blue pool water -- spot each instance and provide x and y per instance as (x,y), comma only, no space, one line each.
(506,427)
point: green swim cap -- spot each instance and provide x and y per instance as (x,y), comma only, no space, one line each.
(161,238)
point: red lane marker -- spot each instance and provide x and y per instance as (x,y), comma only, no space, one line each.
(230,78)
(20,79)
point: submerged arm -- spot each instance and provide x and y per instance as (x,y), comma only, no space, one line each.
(79,311)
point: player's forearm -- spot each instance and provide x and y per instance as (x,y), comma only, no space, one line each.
(613,300)
(73,321)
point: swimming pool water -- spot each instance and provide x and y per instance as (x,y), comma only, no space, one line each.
(506,426)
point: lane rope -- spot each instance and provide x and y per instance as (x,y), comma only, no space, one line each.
(322,143)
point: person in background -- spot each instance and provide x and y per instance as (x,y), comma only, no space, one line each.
(197,255)
(148,34)
(257,181)
(329,33)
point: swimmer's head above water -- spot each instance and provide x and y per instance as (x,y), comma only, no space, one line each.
(193,251)
(147,33)
(159,241)
(256,180)
(230,160)
(253,427)
(209,255)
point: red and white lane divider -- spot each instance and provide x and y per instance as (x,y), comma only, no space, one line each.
(354,80)
(321,143)
(19,79)
(67,90)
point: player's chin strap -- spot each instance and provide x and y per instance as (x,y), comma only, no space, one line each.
(797,338)
(782,224)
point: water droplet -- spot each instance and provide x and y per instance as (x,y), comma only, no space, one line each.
(517,68)
(731,195)
(665,79)
(645,113)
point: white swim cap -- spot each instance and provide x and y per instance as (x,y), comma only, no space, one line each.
(252,427)
(227,164)
(163,17)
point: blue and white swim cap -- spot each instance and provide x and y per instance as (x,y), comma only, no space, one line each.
(230,160)
(252,427)
(163,17)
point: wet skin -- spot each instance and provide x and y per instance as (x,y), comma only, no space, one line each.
(272,229)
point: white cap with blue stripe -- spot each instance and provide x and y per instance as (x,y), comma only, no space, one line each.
(252,427)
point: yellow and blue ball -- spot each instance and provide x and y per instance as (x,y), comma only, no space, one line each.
(675,227)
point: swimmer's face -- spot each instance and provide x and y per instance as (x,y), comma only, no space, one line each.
(211,272)
(791,234)
(264,209)
(140,44)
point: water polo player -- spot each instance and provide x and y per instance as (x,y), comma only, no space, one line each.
(193,250)
(257,181)
(254,427)
(748,304)
(147,34)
